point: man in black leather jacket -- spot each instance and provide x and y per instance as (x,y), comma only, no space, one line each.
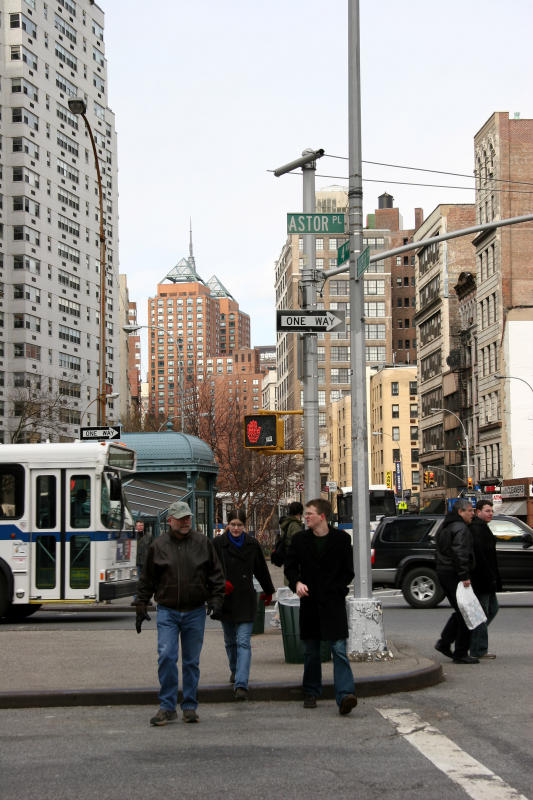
(183,572)
(485,577)
(455,562)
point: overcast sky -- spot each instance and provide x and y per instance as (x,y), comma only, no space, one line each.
(210,95)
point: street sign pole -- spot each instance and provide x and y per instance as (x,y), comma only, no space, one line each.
(310,350)
(366,635)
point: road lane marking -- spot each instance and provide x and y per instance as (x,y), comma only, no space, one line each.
(472,776)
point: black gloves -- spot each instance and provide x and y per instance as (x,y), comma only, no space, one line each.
(141,615)
(215,612)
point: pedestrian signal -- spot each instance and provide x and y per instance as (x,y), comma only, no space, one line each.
(263,431)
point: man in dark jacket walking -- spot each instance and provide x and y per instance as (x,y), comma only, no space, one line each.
(455,561)
(183,572)
(319,568)
(485,577)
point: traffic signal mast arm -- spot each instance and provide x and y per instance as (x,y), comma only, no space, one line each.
(264,432)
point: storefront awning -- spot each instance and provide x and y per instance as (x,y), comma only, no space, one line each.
(515,508)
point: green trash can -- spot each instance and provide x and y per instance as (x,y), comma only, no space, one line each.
(259,621)
(293,647)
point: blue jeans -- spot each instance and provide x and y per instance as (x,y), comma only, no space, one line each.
(342,671)
(239,650)
(171,626)
(479,638)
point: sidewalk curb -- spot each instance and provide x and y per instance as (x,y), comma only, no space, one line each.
(221,693)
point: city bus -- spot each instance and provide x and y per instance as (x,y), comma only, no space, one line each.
(382,504)
(66,532)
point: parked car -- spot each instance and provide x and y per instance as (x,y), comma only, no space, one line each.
(403,556)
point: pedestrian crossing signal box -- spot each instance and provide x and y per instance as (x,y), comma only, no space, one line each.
(263,432)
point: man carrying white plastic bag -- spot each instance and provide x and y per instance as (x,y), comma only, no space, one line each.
(470,607)
(455,561)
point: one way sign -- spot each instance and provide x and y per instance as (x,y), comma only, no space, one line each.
(311,321)
(105,433)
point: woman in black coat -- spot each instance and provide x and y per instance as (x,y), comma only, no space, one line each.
(242,559)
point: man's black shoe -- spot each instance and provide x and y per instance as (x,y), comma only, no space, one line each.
(348,702)
(444,649)
(465,660)
(309,701)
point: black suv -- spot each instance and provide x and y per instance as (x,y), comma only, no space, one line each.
(403,555)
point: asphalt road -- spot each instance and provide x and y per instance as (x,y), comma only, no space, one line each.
(471,735)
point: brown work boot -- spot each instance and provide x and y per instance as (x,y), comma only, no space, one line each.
(348,702)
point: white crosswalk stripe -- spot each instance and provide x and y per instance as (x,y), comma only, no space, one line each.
(477,781)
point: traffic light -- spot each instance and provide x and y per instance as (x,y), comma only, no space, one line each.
(469,483)
(263,431)
(431,479)
(426,478)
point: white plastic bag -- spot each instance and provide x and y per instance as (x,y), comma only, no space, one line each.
(469,606)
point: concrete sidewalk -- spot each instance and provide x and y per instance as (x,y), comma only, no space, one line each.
(116,667)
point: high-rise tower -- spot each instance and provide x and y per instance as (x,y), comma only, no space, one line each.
(50,217)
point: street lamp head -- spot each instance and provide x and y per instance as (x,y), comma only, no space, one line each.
(436,409)
(77,105)
(131,328)
(112,395)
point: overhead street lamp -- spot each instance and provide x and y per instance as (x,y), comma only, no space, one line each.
(467,440)
(77,105)
(110,396)
(181,382)
(513,378)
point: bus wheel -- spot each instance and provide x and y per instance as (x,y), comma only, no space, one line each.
(19,612)
(4,600)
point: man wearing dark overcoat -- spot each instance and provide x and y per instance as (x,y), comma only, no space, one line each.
(319,568)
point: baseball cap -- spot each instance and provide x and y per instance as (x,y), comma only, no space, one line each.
(178,510)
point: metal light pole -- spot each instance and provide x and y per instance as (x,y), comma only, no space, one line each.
(467,440)
(179,348)
(366,639)
(78,106)
(310,352)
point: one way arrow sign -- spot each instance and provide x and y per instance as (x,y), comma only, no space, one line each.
(103,433)
(306,321)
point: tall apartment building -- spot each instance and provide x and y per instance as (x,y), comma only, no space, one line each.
(134,361)
(196,329)
(49,216)
(504,169)
(394,428)
(402,272)
(438,268)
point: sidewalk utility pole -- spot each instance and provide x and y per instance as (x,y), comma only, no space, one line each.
(366,639)
(308,284)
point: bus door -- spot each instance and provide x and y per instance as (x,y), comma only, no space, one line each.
(79,548)
(45,535)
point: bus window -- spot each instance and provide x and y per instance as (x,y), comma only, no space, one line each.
(46,501)
(80,561)
(11,491)
(45,562)
(112,503)
(80,501)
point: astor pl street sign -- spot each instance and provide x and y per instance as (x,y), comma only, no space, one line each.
(311,321)
(103,433)
(315,223)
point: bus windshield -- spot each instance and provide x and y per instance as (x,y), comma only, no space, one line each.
(115,513)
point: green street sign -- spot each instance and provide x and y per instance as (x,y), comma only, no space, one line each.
(363,261)
(343,253)
(315,223)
